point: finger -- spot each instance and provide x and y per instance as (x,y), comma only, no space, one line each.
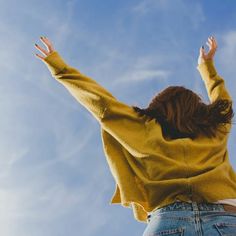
(44,41)
(202,51)
(213,38)
(212,51)
(47,43)
(215,42)
(210,40)
(209,45)
(38,56)
(41,50)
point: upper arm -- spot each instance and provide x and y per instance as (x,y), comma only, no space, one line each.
(124,124)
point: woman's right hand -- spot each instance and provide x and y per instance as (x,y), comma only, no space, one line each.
(203,56)
(48,45)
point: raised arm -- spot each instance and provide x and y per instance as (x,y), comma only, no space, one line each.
(117,118)
(84,89)
(214,83)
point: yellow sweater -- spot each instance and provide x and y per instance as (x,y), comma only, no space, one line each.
(149,170)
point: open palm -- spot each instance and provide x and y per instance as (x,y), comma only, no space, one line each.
(203,56)
(48,45)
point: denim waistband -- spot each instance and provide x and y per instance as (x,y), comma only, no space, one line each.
(203,206)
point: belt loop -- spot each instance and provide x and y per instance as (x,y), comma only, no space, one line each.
(149,217)
(194,206)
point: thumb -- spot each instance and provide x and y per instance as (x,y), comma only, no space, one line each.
(202,52)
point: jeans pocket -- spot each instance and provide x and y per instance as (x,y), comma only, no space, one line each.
(172,232)
(226,229)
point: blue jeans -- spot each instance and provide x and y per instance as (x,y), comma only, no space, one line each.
(191,219)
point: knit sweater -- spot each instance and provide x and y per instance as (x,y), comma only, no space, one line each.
(151,171)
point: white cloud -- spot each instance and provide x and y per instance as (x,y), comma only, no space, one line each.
(47,201)
(225,57)
(68,146)
(141,69)
(147,5)
(141,75)
(226,52)
(40,198)
(10,157)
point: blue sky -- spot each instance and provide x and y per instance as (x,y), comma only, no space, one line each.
(54,179)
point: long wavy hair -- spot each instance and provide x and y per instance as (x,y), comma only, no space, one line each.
(181,113)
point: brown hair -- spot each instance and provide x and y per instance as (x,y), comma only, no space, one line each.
(182,113)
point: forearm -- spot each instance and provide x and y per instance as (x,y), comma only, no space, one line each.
(215,84)
(85,90)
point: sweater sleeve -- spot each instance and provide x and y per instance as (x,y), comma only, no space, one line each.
(84,89)
(117,118)
(124,124)
(214,83)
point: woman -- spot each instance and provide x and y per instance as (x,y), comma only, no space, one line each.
(170,160)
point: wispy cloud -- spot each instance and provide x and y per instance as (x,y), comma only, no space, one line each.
(31,132)
(227,50)
(47,201)
(141,76)
(70,146)
(145,6)
(225,58)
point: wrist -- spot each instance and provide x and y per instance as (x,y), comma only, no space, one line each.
(202,60)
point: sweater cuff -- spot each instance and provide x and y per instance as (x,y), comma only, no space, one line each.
(55,63)
(207,69)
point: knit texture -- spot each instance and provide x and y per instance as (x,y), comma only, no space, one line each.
(149,170)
